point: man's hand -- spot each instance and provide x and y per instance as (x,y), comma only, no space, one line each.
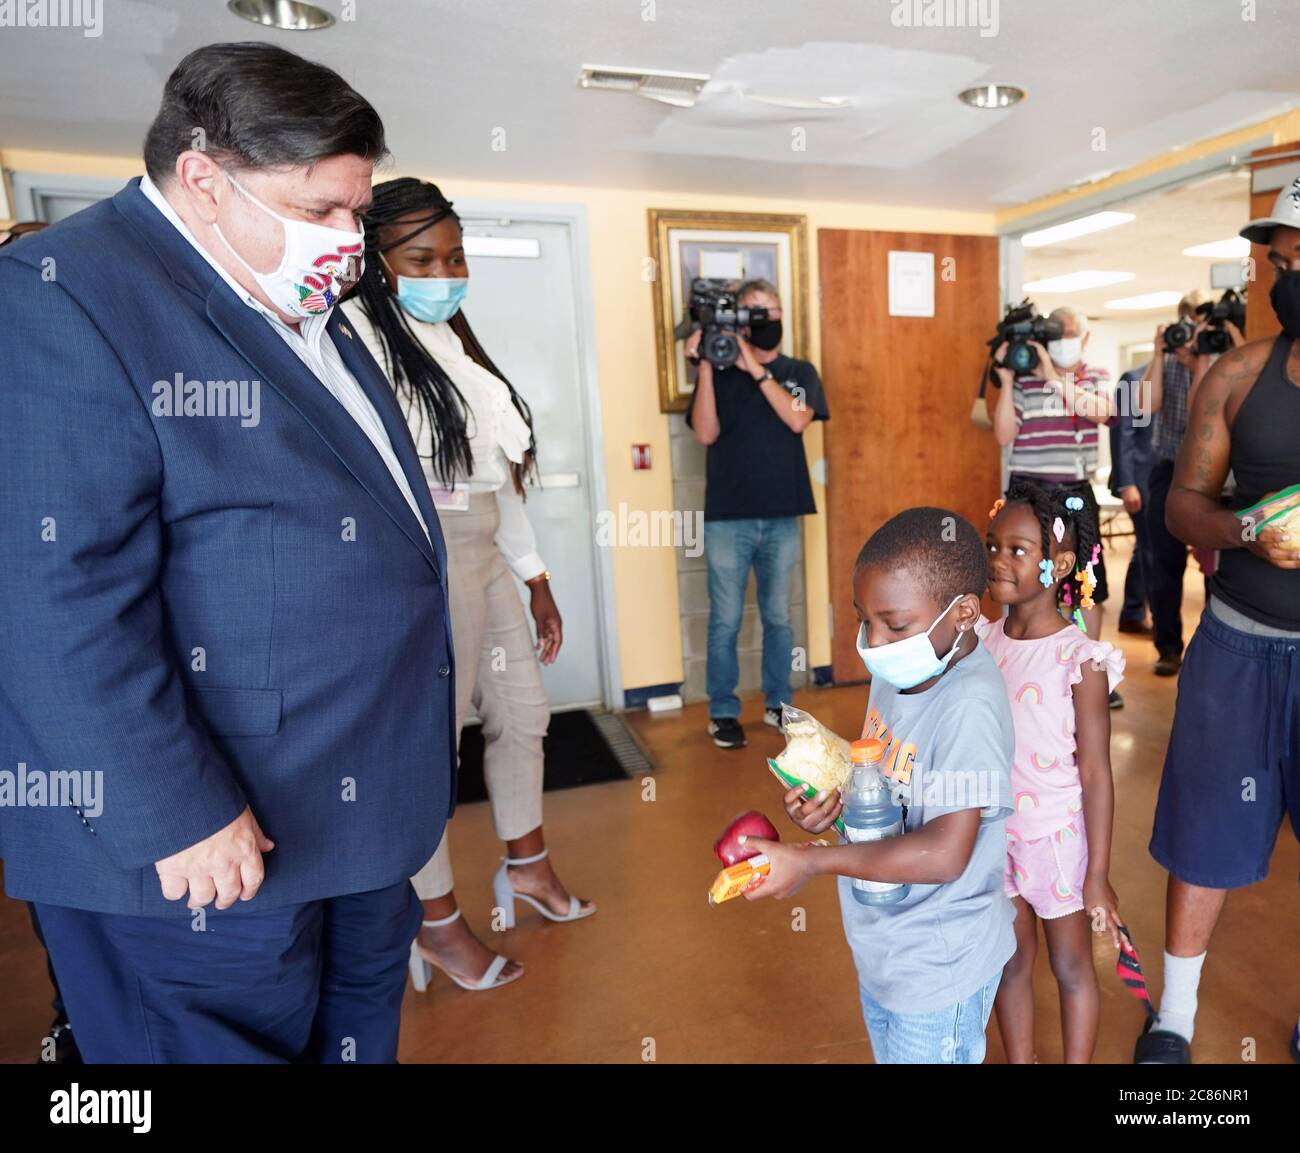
(1160,336)
(226,866)
(1275,546)
(1132,498)
(748,361)
(692,346)
(546,615)
(1005,376)
(1046,369)
(1234,334)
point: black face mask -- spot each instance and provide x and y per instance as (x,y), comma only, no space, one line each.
(1285,299)
(765,334)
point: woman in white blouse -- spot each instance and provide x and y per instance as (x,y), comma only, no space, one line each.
(475,438)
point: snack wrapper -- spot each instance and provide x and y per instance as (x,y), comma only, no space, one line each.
(813,756)
(1281,510)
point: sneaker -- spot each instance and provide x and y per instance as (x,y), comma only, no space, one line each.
(1168,665)
(1116,701)
(726,733)
(773,717)
(1139,627)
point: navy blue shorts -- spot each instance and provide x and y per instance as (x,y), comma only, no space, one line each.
(1232,771)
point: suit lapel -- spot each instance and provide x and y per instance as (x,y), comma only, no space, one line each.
(358,361)
(277,366)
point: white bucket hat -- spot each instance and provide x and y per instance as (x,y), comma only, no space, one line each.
(1286,211)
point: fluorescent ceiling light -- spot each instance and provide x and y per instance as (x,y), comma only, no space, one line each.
(1079,281)
(1145,301)
(1097,222)
(1235,246)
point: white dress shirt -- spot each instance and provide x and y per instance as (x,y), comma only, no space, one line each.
(498,435)
(312,345)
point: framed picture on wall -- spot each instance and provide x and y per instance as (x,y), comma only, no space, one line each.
(728,247)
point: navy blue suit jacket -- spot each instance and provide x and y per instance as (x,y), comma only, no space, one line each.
(181,606)
(1132,445)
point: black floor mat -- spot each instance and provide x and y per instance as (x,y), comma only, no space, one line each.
(577,753)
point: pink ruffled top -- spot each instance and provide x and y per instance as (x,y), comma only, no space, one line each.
(1040,675)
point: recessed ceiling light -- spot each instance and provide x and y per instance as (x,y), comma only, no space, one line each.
(680,89)
(1096,222)
(992,96)
(1146,300)
(1221,249)
(1079,281)
(290,15)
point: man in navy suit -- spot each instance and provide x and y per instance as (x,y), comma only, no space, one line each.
(1130,465)
(227,666)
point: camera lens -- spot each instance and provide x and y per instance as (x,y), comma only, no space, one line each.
(721,349)
(1020,358)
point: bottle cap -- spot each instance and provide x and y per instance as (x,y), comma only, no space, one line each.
(867,751)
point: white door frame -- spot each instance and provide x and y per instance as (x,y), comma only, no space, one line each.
(575,217)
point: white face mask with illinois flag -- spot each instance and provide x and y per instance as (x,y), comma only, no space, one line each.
(318,266)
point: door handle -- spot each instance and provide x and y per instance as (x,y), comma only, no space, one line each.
(559,480)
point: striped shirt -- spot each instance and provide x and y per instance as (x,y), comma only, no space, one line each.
(312,345)
(1051,444)
(1171,420)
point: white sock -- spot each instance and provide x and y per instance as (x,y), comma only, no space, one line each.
(1178,1001)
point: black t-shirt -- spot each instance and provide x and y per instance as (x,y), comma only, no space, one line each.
(756,467)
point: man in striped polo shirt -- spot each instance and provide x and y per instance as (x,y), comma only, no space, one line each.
(1052,420)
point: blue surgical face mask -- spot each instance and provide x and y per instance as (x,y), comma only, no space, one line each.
(906,663)
(431,298)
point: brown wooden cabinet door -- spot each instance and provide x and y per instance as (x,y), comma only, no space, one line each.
(900,391)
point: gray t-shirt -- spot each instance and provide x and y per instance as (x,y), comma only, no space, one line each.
(948,748)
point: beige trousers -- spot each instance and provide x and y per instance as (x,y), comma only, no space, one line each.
(497,672)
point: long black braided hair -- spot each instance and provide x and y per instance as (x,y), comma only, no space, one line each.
(1047,502)
(417,376)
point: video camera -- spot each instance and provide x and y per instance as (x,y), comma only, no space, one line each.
(1022,324)
(713,308)
(1214,338)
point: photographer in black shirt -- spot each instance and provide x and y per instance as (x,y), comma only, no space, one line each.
(751,414)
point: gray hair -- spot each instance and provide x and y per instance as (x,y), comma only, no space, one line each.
(758,284)
(1069,312)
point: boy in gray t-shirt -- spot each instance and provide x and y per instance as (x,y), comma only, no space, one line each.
(929,965)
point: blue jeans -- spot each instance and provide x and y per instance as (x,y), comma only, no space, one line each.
(1136,579)
(1168,557)
(770,545)
(953,1035)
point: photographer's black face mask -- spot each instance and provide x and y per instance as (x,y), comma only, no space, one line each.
(1285,298)
(765,334)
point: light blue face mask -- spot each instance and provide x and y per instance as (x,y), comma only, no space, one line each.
(432,299)
(906,663)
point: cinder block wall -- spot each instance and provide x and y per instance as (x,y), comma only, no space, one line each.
(693,591)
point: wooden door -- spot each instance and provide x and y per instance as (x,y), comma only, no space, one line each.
(1261,321)
(900,391)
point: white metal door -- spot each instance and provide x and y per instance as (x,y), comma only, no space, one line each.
(521,304)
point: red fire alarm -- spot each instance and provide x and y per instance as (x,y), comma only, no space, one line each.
(640,456)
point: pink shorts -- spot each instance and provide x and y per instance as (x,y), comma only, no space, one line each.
(1049,872)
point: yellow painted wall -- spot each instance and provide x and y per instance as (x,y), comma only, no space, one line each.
(645,580)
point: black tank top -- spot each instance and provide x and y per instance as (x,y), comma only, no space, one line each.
(1265,458)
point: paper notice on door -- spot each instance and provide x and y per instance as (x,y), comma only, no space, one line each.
(454,499)
(911,284)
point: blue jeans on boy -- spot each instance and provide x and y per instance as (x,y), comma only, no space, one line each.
(953,1035)
(769,545)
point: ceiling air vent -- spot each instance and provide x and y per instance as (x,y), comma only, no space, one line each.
(679,89)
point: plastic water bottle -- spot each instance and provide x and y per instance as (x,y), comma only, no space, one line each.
(870,814)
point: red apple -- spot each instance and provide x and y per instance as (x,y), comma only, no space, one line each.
(728,848)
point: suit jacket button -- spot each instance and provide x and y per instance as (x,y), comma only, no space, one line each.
(444,670)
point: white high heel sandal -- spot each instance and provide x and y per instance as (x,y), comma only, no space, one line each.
(505,895)
(422,970)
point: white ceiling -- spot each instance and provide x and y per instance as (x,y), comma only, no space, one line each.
(1151,245)
(445,73)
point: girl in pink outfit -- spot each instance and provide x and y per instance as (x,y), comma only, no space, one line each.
(1040,555)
